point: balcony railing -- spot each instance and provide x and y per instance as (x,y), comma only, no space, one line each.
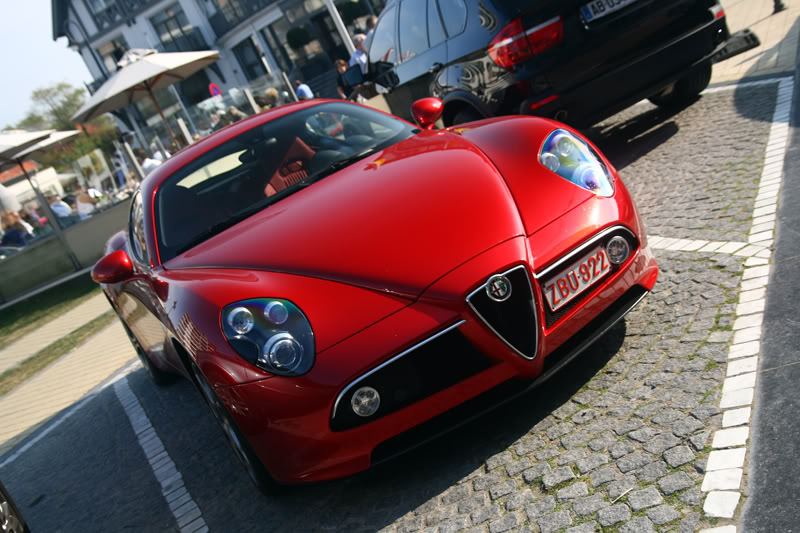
(191,41)
(234,12)
(116,13)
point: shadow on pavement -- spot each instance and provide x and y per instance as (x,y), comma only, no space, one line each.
(91,474)
(742,95)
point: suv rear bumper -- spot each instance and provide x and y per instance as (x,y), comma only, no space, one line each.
(612,92)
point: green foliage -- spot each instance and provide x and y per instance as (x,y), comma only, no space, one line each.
(61,158)
(53,107)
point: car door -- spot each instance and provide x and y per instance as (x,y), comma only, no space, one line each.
(421,52)
(140,301)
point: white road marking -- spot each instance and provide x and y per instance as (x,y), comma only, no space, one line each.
(180,502)
(724,486)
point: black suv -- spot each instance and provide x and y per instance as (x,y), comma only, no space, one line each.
(576,61)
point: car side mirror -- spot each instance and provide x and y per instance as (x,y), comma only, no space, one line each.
(353,76)
(113,268)
(426,112)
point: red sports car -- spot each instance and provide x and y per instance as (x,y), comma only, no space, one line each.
(341,294)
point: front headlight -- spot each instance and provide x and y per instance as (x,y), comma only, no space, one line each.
(573,159)
(270,333)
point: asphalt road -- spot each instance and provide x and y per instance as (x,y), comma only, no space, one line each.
(773,504)
(618,439)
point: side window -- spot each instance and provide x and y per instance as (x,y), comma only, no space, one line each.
(435,30)
(413,34)
(382,48)
(136,229)
(454,13)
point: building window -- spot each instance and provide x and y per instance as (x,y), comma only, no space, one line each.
(175,32)
(98,6)
(112,52)
(249,59)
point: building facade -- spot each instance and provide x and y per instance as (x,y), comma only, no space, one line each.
(255,38)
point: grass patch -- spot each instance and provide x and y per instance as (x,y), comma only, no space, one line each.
(17,375)
(25,316)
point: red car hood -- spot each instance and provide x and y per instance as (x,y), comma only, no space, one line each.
(396,221)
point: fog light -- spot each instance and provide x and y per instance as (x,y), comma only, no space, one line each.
(618,250)
(241,320)
(365,401)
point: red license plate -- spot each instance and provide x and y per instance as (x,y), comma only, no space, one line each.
(576,278)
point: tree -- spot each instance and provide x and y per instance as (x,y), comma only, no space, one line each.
(53,107)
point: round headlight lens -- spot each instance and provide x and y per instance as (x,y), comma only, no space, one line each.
(241,320)
(365,401)
(618,250)
(566,146)
(587,175)
(283,351)
(276,313)
(550,161)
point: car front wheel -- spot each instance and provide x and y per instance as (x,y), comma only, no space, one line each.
(252,464)
(157,376)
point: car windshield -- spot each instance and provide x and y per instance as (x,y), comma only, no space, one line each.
(264,165)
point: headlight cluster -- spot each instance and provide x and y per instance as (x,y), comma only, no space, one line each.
(270,333)
(570,157)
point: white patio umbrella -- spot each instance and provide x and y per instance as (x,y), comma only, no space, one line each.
(142,71)
(14,141)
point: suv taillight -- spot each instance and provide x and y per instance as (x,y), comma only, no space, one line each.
(514,44)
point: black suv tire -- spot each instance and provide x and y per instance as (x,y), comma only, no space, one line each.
(685,89)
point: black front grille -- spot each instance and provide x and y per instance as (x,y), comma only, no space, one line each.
(551,317)
(514,320)
(512,388)
(426,370)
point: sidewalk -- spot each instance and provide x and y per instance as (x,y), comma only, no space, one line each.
(62,383)
(778,35)
(40,338)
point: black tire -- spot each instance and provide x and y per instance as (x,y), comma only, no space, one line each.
(685,89)
(259,475)
(467,114)
(157,376)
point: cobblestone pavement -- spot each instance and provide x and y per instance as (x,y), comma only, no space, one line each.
(694,174)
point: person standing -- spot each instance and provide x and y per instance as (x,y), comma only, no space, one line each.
(85,204)
(59,207)
(302,90)
(359,57)
(147,163)
(342,87)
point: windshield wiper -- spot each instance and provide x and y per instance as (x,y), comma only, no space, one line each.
(338,165)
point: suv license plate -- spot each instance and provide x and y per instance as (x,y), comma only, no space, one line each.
(600,8)
(576,278)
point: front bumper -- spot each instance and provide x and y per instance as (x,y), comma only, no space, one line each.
(289,420)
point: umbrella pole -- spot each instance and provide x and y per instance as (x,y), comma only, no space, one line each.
(160,112)
(51,217)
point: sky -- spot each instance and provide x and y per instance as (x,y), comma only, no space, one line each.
(29,58)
